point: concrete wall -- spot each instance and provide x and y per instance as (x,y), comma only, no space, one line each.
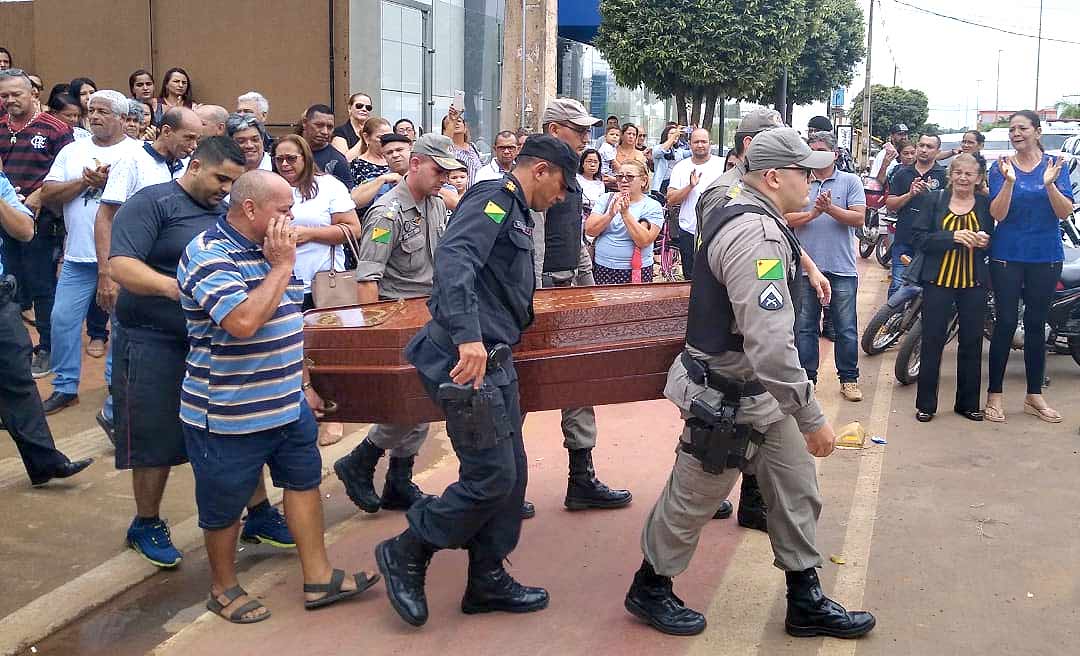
(17,32)
(536,59)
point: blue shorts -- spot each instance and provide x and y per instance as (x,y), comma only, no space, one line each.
(228,468)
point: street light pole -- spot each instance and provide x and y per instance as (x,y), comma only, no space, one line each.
(997,88)
(866,89)
(1038,58)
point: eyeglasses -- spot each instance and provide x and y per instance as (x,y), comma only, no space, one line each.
(808,172)
(576,128)
(286,159)
(625,176)
(363,106)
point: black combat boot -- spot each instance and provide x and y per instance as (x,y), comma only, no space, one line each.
(753,513)
(651,600)
(491,588)
(399,492)
(724,511)
(583,489)
(357,471)
(403,562)
(810,613)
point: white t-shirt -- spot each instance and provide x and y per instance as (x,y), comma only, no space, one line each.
(331,198)
(607,158)
(591,190)
(138,171)
(489,171)
(79,213)
(265,164)
(680,177)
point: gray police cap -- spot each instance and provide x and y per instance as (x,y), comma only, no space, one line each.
(760,119)
(783,147)
(438,148)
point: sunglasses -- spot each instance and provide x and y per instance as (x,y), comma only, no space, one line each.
(286,159)
(625,176)
(363,106)
(807,172)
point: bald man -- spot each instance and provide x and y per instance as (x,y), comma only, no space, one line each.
(213,119)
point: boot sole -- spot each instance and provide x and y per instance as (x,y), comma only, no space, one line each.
(380,562)
(342,475)
(581,504)
(637,611)
(473,609)
(813,631)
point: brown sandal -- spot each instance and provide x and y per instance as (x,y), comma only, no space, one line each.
(994,414)
(237,616)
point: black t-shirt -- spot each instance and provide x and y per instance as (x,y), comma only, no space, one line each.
(900,184)
(346,132)
(331,161)
(562,234)
(154,226)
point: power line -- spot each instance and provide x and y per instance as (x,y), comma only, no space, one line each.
(982,25)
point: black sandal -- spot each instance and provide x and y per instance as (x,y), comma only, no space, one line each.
(237,616)
(333,590)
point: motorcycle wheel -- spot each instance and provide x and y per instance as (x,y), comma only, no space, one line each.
(909,357)
(884,329)
(866,248)
(883,252)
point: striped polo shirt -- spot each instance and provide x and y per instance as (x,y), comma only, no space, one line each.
(237,386)
(28,153)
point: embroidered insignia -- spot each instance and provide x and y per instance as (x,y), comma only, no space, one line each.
(511,187)
(734,190)
(494,212)
(770,269)
(771,299)
(520,226)
(380,236)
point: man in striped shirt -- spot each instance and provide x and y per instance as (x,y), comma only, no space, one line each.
(243,402)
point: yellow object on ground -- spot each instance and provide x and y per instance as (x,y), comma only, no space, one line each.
(851,436)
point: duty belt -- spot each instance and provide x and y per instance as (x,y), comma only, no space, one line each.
(732,389)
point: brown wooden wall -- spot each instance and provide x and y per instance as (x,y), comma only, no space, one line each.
(280,48)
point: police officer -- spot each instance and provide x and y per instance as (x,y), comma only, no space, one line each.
(397,260)
(480,302)
(20,404)
(561,262)
(746,401)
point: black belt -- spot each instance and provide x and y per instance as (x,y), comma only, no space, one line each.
(700,374)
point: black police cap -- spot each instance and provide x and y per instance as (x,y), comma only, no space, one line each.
(557,152)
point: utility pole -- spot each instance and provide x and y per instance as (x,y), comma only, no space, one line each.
(864,156)
(895,69)
(997,88)
(1038,58)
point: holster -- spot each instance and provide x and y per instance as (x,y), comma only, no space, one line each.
(477,418)
(715,439)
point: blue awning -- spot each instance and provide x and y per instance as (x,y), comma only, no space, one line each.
(579,19)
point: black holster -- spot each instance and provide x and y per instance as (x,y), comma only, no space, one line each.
(715,439)
(475,418)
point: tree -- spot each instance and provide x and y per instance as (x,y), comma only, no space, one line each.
(701,50)
(828,59)
(891,105)
(1068,109)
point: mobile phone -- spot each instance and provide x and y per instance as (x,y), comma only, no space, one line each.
(459,101)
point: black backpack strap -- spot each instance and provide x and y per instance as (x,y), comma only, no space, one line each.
(718,219)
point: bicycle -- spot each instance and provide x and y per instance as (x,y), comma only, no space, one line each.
(666,254)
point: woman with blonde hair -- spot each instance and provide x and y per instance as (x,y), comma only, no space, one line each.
(348,137)
(625,224)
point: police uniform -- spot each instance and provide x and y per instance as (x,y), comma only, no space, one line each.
(396,251)
(740,354)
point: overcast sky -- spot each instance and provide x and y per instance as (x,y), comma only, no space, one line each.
(946,59)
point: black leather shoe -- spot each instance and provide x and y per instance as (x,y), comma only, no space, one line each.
(528,510)
(651,600)
(491,588)
(810,613)
(57,401)
(923,416)
(403,563)
(63,471)
(973,415)
(584,491)
(753,511)
(399,492)
(724,511)
(107,426)
(356,472)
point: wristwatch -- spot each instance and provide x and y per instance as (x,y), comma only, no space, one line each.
(306,386)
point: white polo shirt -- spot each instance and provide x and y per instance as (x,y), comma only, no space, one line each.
(144,167)
(489,171)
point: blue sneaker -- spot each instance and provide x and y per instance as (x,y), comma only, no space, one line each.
(152,542)
(268,527)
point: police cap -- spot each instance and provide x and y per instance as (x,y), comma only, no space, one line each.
(556,152)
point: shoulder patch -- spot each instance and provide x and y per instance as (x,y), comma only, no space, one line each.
(770,298)
(511,187)
(494,212)
(380,235)
(770,269)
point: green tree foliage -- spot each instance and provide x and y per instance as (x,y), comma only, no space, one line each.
(891,105)
(1068,110)
(701,50)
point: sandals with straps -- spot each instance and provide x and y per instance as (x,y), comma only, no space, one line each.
(333,590)
(994,414)
(237,616)
(1047,414)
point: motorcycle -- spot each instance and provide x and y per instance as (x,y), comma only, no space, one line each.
(868,234)
(883,249)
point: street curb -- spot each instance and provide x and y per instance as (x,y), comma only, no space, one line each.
(61,606)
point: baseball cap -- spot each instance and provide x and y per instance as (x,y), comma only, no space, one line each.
(898,127)
(820,124)
(556,152)
(782,147)
(391,137)
(568,110)
(760,119)
(438,148)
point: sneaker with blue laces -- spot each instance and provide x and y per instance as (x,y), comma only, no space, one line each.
(151,540)
(267,526)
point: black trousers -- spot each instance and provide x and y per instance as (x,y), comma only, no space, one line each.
(938,303)
(1035,283)
(20,403)
(33,264)
(481,511)
(686,253)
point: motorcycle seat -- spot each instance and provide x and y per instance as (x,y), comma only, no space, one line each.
(1070,275)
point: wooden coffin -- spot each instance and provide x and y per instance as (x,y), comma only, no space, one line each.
(587,346)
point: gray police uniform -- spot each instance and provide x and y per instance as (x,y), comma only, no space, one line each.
(754,258)
(483,291)
(397,250)
(716,195)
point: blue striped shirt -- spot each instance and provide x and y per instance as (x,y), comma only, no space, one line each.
(237,386)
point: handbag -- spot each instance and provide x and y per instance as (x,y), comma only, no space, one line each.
(913,272)
(337,288)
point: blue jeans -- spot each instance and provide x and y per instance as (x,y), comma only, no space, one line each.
(75,293)
(842,309)
(898,267)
